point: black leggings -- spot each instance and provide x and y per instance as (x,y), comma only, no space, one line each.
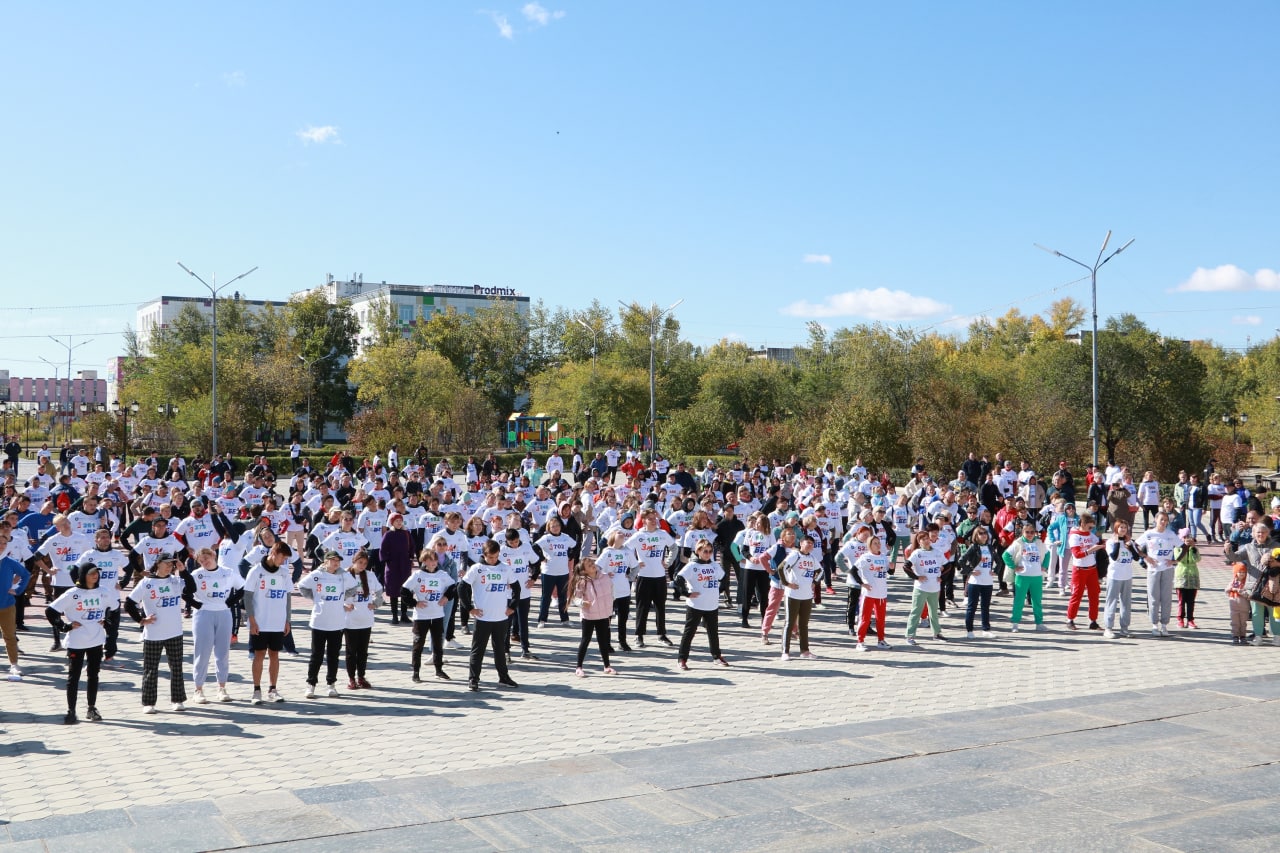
(754,581)
(435,628)
(599,627)
(325,646)
(76,659)
(651,593)
(357,651)
(622,609)
(57,593)
(710,619)
(1187,603)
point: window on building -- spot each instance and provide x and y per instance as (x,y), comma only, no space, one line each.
(407,314)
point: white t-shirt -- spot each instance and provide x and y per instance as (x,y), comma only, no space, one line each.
(161,598)
(270,591)
(649,548)
(800,569)
(365,604)
(109,564)
(616,562)
(348,544)
(88,607)
(520,560)
(556,550)
(984,574)
(197,533)
(704,579)
(328,594)
(873,570)
(490,590)
(213,587)
(428,589)
(63,552)
(1159,548)
(927,564)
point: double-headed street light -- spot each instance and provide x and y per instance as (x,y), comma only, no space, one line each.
(124,438)
(213,294)
(1093,278)
(655,317)
(309,363)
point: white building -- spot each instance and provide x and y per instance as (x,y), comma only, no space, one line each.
(412,303)
(163,310)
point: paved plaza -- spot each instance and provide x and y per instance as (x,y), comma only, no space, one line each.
(1041,741)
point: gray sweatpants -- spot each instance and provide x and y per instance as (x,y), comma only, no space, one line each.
(1159,596)
(1119,594)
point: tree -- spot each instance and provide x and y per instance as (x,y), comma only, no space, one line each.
(325,334)
(701,429)
(617,396)
(861,427)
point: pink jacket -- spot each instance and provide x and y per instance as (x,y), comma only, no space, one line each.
(597,597)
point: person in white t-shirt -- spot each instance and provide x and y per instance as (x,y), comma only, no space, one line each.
(327,589)
(366,594)
(702,576)
(212,591)
(266,602)
(156,603)
(81,612)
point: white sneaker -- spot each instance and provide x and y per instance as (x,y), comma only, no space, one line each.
(987,635)
(883,645)
(178,707)
(785,657)
(860,648)
(453,644)
(1164,631)
(968,635)
(223,696)
(148,709)
(257,698)
(542,625)
(808,656)
(1256,641)
(201,699)
(911,641)
(1014,629)
(15,673)
(1042,628)
(1108,634)
(333,692)
(274,696)
(310,694)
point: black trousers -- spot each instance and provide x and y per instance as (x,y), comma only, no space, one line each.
(357,651)
(599,627)
(111,623)
(76,660)
(622,609)
(57,593)
(755,583)
(520,623)
(326,646)
(651,593)
(494,635)
(853,611)
(422,628)
(710,619)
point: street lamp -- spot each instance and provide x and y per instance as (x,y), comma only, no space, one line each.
(595,341)
(124,439)
(1235,421)
(213,294)
(588,416)
(1093,278)
(655,317)
(311,384)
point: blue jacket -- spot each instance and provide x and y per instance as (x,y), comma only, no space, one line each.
(13,575)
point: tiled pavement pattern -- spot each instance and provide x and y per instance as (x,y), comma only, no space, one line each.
(1031,741)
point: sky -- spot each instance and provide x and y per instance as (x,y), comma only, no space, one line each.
(768,163)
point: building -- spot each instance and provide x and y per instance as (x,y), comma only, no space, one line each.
(784,355)
(65,395)
(163,310)
(412,303)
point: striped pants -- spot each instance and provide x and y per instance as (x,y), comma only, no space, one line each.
(151,649)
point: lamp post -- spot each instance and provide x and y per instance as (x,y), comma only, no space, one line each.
(124,432)
(26,428)
(311,380)
(4,411)
(595,341)
(1235,421)
(587,413)
(1093,278)
(213,294)
(655,317)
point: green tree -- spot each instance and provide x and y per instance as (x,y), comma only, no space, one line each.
(325,334)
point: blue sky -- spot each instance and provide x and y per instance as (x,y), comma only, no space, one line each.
(766,162)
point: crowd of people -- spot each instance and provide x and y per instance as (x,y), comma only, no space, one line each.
(202,556)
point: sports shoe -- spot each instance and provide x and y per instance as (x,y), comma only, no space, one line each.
(940,638)
(148,709)
(310,694)
(56,647)
(452,644)
(201,699)
(223,696)
(1108,634)
(416,679)
(1094,626)
(683,665)
(466,629)
(1155,630)
(860,647)
(765,641)
(883,645)
(1164,631)
(624,647)
(177,707)
(1275,641)
(1071,624)
(70,719)
(333,692)
(257,697)
(364,683)
(473,686)
(580,672)
(442,675)
(1014,629)
(528,656)
(720,661)
(1042,628)
(808,656)
(640,642)
(234,639)
(1256,641)
(1182,623)
(15,673)
(351,684)
(93,716)
(666,641)
(911,641)
(968,635)
(542,625)
(273,695)
(829,591)
(1191,623)
(608,670)
(785,657)
(508,682)
(987,635)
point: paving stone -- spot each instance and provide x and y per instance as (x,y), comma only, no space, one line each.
(273,825)
(53,827)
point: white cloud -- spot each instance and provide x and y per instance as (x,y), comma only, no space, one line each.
(538,14)
(1247,320)
(817,259)
(1230,278)
(500,21)
(320,135)
(878,304)
(235,79)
